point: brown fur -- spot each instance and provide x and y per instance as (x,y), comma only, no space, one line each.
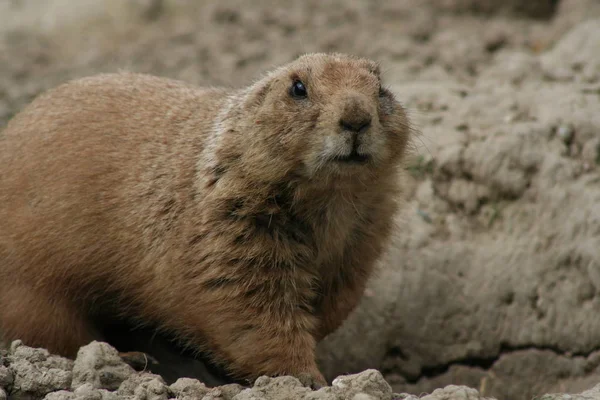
(217,215)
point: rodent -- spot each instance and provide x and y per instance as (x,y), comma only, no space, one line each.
(244,222)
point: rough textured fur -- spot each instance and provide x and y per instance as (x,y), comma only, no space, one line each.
(220,216)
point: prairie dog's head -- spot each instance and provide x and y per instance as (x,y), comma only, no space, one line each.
(321,116)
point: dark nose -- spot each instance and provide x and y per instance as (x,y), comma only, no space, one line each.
(357,125)
(355,118)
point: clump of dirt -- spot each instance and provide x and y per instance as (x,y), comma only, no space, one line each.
(493,279)
(99,373)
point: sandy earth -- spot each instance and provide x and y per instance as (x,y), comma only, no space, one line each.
(493,280)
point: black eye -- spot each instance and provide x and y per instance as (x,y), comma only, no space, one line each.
(298,90)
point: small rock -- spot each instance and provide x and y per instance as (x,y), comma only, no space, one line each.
(36,372)
(326,393)
(220,393)
(454,392)
(282,387)
(369,382)
(262,381)
(99,364)
(404,396)
(18,350)
(228,392)
(144,386)
(2,394)
(363,396)
(14,345)
(6,377)
(187,388)
(88,392)
(60,395)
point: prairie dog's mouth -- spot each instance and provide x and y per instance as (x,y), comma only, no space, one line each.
(347,151)
(352,158)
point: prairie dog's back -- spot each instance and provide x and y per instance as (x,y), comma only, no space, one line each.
(123,137)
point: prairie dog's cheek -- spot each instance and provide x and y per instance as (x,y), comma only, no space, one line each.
(314,146)
(330,145)
(377,144)
(313,153)
(381,150)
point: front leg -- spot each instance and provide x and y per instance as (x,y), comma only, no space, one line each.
(258,326)
(340,299)
(344,284)
(264,341)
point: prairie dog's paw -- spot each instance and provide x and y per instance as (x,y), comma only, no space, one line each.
(315,381)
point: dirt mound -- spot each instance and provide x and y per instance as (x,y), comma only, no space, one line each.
(98,373)
(494,278)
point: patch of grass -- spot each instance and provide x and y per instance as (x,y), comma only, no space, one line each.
(495,214)
(420,167)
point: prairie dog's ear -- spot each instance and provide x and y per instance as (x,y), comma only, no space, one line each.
(374,68)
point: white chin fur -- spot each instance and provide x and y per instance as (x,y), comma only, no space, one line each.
(338,146)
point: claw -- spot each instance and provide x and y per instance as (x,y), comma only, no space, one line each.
(138,360)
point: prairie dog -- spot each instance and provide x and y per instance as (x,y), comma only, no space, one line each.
(244,222)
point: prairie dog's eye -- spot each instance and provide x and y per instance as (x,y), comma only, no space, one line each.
(298,90)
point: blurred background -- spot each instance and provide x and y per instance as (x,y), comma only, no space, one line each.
(493,278)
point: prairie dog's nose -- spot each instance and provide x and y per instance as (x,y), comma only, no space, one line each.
(355,116)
